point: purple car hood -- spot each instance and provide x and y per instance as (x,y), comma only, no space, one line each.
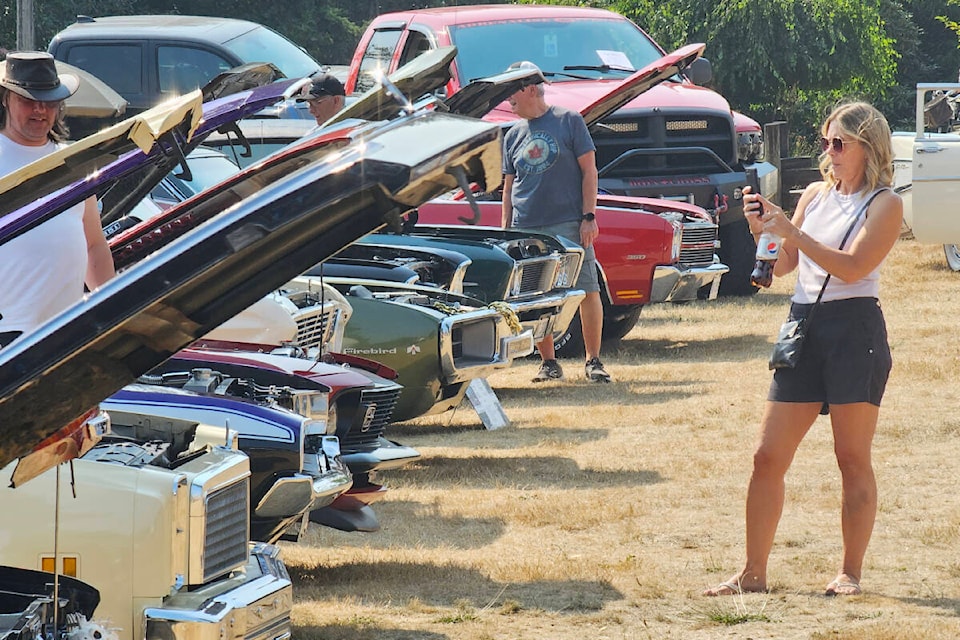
(86,169)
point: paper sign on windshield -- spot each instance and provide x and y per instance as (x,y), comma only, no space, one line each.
(616,59)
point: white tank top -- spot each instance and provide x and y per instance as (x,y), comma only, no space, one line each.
(41,271)
(827,218)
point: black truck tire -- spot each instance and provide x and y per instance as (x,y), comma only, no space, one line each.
(570,343)
(618,321)
(738,251)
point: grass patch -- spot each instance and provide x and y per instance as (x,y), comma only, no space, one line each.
(465,613)
(604,513)
(736,609)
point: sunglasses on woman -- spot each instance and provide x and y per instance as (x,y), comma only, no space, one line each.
(835,143)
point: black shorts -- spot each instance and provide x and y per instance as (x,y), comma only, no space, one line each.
(845,356)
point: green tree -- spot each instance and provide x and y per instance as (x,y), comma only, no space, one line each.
(782,59)
(927,49)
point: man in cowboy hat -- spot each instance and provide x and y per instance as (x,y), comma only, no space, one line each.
(43,271)
(325,97)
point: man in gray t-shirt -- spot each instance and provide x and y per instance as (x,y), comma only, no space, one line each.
(550,185)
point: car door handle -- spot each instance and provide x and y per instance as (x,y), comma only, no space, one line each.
(931,149)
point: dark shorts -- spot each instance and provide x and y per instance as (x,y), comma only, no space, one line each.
(845,358)
(587,280)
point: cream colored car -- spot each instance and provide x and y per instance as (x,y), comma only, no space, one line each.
(156,519)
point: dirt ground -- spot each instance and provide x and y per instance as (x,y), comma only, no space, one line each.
(604,511)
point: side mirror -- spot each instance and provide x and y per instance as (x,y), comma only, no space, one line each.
(700,71)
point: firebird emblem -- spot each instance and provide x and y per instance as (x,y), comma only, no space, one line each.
(413,349)
(368,417)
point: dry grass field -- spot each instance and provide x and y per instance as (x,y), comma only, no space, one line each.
(604,511)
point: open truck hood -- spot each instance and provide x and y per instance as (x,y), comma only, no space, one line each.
(641,82)
(595,100)
(254,232)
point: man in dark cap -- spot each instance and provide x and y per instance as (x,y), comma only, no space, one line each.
(43,271)
(325,97)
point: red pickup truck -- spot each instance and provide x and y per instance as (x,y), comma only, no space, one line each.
(677,141)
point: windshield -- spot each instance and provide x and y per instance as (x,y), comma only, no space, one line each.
(488,48)
(263,45)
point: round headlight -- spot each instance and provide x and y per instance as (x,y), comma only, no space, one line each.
(750,146)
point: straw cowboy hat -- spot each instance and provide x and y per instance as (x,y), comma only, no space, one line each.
(33,75)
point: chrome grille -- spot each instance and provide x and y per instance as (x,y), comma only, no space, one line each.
(532,276)
(315,326)
(698,244)
(225,540)
(368,427)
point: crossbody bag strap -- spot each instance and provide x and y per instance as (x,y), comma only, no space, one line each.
(843,243)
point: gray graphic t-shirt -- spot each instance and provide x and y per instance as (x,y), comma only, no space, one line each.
(542,155)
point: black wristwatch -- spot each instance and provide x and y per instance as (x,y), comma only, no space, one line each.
(588,217)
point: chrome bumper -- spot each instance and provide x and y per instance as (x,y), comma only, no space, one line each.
(535,315)
(671,284)
(489,348)
(387,455)
(325,476)
(254,604)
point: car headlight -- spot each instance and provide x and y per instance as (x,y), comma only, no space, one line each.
(750,146)
(332,418)
(567,271)
(677,244)
(312,404)
(516,281)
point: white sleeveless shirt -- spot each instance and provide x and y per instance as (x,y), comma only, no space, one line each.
(41,271)
(827,218)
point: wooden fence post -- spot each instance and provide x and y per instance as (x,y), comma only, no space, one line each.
(776,144)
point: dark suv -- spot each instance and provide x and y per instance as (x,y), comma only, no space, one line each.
(147,59)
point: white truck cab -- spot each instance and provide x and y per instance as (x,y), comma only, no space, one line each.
(927,171)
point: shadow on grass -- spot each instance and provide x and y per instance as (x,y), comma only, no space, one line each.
(362,631)
(579,393)
(470,435)
(730,349)
(447,585)
(948,604)
(483,472)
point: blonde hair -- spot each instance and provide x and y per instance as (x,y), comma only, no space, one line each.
(865,124)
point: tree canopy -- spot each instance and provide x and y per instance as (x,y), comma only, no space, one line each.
(772,59)
(793,59)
